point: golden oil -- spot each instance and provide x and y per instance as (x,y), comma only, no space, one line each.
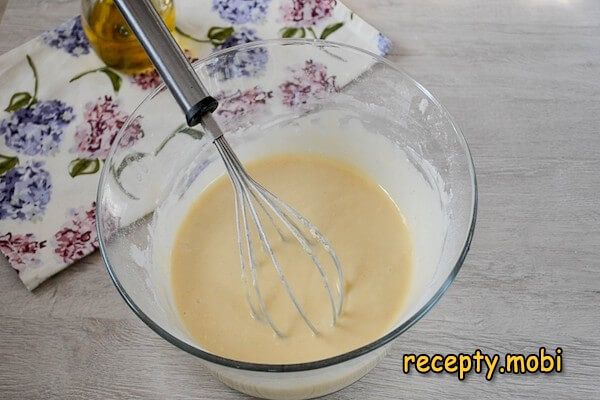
(111,37)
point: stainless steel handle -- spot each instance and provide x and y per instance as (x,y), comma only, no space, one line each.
(168,59)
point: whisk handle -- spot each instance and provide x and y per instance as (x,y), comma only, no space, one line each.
(168,58)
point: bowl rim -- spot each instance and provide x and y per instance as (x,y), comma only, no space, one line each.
(330,361)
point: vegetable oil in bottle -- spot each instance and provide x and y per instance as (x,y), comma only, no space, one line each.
(111,37)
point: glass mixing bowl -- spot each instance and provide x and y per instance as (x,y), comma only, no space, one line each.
(288,96)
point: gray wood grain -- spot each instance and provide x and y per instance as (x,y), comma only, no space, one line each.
(2,8)
(522,78)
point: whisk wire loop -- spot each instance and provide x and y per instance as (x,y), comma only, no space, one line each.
(241,209)
(248,192)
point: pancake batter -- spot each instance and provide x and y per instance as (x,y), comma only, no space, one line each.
(361,222)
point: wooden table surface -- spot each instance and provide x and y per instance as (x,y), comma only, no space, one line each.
(522,78)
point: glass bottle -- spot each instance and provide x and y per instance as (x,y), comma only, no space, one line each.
(111,37)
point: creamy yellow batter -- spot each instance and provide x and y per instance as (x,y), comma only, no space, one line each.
(361,222)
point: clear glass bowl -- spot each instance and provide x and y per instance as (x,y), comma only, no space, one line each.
(289,96)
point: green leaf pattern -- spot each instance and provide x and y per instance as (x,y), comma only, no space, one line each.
(7,163)
(301,32)
(18,101)
(24,99)
(83,167)
(292,32)
(115,78)
(137,156)
(330,29)
(216,35)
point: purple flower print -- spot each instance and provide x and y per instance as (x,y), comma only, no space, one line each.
(103,120)
(309,81)
(38,128)
(110,223)
(294,93)
(21,250)
(146,80)
(244,35)
(240,102)
(25,191)
(34,127)
(247,62)
(241,11)
(69,37)
(150,79)
(384,45)
(77,238)
(301,13)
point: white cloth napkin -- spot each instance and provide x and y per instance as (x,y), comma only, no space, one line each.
(61,109)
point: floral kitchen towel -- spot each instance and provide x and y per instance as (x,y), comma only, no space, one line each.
(61,109)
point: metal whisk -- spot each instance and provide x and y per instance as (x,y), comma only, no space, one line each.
(251,199)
